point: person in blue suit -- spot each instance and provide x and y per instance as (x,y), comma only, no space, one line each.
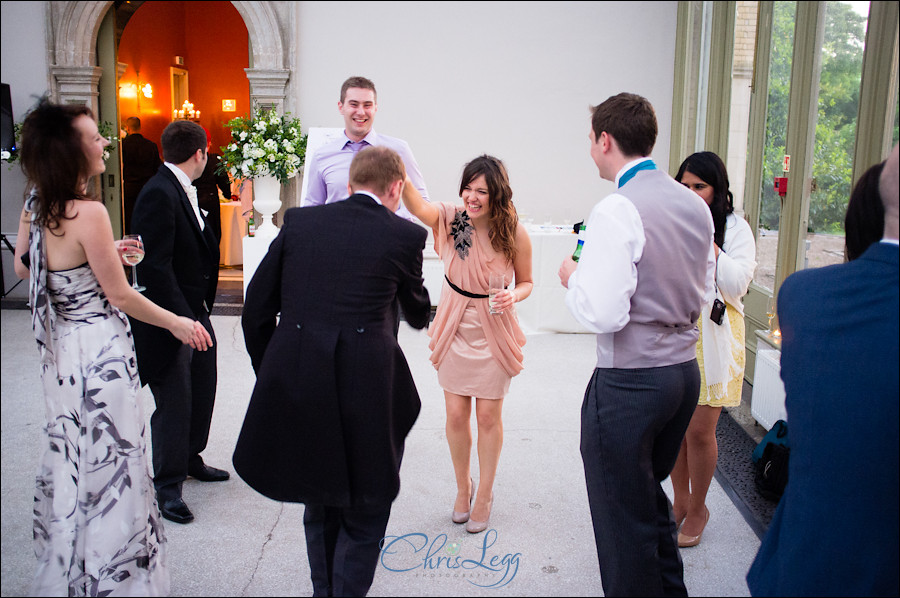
(835,531)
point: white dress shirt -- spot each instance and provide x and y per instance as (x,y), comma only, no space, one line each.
(614,242)
(189,189)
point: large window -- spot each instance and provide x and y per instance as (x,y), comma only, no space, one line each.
(822,90)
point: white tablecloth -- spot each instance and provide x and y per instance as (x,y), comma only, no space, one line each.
(545,309)
(230,251)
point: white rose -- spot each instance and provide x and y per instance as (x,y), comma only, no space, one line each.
(243,135)
(270,145)
(260,126)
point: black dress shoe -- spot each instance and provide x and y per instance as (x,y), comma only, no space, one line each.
(205,473)
(175,510)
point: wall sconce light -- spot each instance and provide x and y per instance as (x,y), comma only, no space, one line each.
(147,90)
(128,90)
(229,105)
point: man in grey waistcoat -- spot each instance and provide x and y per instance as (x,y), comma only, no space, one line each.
(645,271)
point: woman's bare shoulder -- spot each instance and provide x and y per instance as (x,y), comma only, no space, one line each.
(522,234)
(85,219)
(88,209)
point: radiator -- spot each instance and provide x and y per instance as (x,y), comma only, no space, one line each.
(767,402)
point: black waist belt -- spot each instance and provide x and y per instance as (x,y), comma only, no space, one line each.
(464,293)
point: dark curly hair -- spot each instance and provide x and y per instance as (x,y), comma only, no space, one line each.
(709,168)
(503,218)
(53,159)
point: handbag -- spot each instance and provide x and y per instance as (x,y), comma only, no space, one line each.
(777,435)
(772,471)
(771,457)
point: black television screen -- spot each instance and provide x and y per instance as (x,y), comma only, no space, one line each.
(6,120)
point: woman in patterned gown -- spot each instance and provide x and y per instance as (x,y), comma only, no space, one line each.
(476,353)
(97,530)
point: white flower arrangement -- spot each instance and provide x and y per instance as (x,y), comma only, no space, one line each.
(265,145)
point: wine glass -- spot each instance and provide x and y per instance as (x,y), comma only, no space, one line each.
(495,285)
(770,312)
(133,254)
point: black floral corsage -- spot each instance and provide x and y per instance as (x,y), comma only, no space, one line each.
(461,228)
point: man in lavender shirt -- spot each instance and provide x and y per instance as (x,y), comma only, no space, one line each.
(329,167)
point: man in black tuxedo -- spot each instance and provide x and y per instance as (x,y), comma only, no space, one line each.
(140,161)
(181,271)
(334,397)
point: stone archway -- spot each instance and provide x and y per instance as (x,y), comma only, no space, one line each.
(74,76)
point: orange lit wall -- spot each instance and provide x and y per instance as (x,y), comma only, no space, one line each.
(212,38)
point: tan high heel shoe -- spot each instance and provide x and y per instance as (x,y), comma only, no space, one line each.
(462,517)
(688,541)
(474,527)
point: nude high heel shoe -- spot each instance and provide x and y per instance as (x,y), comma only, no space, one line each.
(688,541)
(459,517)
(474,527)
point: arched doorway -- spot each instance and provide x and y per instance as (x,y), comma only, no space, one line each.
(83,50)
(74,72)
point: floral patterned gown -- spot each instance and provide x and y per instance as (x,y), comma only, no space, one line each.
(97,529)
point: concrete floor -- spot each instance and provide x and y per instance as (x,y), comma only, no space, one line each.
(242,544)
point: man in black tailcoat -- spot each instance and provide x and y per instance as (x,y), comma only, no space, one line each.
(334,398)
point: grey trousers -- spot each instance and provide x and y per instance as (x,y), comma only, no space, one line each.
(632,425)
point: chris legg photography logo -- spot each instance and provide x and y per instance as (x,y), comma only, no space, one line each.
(475,561)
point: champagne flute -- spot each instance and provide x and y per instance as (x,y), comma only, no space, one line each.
(133,254)
(770,312)
(495,285)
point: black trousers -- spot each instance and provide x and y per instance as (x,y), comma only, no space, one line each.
(184,392)
(632,425)
(343,545)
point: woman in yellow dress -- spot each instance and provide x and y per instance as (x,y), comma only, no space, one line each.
(720,349)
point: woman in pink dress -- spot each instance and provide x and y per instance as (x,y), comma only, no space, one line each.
(476,352)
